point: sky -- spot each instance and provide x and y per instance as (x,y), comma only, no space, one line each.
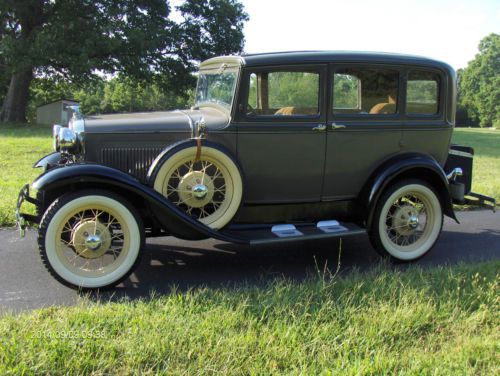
(447,30)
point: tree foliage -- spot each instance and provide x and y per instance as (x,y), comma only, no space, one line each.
(73,39)
(100,96)
(479,83)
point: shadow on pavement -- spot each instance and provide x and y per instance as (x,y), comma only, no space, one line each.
(186,265)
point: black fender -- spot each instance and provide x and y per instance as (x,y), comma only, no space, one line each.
(49,161)
(176,222)
(174,148)
(413,165)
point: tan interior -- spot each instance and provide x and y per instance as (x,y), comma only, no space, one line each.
(290,111)
(385,108)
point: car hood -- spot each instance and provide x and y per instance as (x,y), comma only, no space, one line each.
(161,121)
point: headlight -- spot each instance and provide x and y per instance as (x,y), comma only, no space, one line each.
(68,142)
(55,136)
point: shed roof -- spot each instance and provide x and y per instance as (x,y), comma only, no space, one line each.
(59,100)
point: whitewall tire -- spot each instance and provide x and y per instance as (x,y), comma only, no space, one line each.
(209,188)
(90,239)
(407,220)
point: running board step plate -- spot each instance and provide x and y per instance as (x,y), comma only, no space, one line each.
(284,233)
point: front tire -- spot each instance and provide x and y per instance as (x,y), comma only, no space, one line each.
(90,239)
(407,221)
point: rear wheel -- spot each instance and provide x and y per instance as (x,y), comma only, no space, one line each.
(407,221)
(90,239)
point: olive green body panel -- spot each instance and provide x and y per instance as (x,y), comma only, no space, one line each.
(286,163)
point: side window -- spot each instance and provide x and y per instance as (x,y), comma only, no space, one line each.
(365,91)
(347,89)
(281,93)
(422,93)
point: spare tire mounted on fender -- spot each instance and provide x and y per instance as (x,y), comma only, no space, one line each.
(206,185)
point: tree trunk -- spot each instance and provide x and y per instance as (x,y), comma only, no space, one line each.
(16,100)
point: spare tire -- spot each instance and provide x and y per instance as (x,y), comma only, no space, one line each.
(208,188)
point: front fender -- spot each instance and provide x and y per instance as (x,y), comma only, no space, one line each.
(406,166)
(49,161)
(176,222)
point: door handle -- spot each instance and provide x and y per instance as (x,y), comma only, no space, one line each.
(337,126)
(320,128)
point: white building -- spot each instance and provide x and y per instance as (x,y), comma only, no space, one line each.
(57,112)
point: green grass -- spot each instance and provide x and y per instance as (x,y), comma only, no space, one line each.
(486,169)
(439,321)
(21,146)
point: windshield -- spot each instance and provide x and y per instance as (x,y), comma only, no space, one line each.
(216,86)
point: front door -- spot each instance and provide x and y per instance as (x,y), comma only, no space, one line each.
(282,133)
(364,128)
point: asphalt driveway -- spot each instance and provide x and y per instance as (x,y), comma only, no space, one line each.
(167,262)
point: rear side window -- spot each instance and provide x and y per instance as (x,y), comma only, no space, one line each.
(422,93)
(283,93)
(365,91)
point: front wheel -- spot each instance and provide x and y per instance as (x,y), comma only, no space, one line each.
(407,221)
(90,239)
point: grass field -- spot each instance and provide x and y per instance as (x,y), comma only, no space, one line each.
(486,170)
(435,321)
(21,146)
(387,320)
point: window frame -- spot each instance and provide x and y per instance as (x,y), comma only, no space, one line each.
(244,90)
(334,67)
(440,97)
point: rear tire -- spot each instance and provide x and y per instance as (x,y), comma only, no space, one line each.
(90,239)
(407,221)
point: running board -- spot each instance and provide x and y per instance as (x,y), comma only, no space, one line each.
(285,233)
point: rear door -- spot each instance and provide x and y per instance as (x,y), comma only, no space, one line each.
(282,133)
(364,126)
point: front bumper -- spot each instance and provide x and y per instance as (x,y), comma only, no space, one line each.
(22,219)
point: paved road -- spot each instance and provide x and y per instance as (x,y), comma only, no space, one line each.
(167,262)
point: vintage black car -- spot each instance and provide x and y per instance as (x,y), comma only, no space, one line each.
(278,147)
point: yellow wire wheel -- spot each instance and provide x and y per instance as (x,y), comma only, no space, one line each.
(209,188)
(90,240)
(408,220)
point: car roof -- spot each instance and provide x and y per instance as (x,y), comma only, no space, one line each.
(301,57)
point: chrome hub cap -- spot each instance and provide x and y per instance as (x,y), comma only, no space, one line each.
(413,222)
(200,191)
(407,220)
(91,239)
(196,189)
(93,242)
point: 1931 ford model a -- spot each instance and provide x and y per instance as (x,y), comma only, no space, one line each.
(278,147)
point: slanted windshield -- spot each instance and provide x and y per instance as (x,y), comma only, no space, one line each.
(216,86)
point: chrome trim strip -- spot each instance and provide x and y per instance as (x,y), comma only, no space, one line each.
(190,120)
(460,153)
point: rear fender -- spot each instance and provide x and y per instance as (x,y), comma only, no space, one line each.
(175,221)
(406,166)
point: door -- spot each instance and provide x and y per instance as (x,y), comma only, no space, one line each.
(282,133)
(364,126)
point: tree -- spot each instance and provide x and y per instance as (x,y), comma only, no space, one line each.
(74,39)
(479,83)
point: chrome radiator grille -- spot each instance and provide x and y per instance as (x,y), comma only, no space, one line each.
(134,161)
